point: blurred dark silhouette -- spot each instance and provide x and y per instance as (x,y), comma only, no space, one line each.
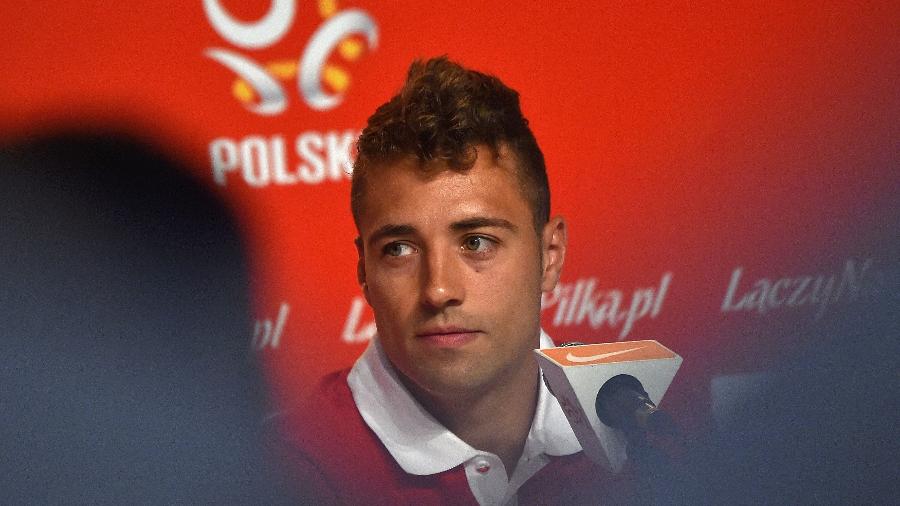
(125,371)
(823,429)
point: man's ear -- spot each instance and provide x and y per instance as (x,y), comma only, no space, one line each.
(361,267)
(554,240)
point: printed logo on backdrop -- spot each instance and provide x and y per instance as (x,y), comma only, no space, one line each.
(583,302)
(267,331)
(315,73)
(816,291)
(260,86)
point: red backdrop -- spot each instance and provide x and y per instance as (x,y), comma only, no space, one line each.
(725,169)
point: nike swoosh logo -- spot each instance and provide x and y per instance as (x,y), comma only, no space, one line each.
(591,358)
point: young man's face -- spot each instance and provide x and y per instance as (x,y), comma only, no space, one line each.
(453,269)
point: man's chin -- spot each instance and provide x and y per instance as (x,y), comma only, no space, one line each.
(446,382)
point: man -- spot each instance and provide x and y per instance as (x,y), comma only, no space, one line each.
(456,245)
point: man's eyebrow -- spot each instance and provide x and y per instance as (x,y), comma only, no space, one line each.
(390,230)
(480,222)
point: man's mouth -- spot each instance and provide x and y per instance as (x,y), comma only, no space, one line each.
(447,336)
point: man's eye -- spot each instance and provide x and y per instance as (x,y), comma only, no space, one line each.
(398,249)
(477,243)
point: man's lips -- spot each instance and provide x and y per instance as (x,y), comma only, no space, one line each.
(447,337)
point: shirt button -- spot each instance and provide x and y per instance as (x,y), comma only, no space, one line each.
(482,466)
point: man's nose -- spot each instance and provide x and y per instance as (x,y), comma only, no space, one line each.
(443,283)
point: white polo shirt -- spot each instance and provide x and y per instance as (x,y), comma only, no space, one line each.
(422,446)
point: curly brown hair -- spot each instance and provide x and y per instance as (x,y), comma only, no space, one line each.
(441,114)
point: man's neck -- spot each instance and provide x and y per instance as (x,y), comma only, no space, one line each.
(495,420)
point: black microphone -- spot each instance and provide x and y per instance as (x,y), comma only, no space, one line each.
(622,403)
(598,389)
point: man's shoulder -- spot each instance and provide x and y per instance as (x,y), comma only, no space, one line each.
(575,479)
(331,456)
(325,413)
(320,441)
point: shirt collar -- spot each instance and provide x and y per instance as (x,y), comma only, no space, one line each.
(418,442)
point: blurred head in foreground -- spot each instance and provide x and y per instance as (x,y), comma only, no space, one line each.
(125,373)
